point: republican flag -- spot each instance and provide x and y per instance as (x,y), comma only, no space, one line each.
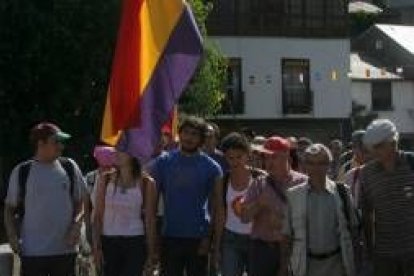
(157,52)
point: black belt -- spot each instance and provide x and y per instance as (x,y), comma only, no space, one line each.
(324,255)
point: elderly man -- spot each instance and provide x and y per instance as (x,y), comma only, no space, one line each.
(387,201)
(319,220)
(264,205)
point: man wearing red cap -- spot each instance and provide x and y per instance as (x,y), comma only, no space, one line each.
(265,204)
(45,193)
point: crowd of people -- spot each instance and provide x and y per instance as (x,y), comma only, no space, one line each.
(240,205)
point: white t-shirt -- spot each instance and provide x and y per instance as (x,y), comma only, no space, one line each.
(123,208)
(233,222)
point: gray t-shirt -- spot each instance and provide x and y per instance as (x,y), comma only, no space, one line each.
(49,207)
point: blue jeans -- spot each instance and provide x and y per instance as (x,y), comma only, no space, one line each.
(235,253)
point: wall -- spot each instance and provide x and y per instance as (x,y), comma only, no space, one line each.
(261,58)
(403,102)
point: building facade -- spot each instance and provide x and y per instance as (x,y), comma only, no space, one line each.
(382,76)
(288,66)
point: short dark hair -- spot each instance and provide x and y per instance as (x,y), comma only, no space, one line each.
(235,140)
(194,123)
(248,132)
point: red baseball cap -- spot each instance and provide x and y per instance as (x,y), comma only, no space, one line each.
(273,144)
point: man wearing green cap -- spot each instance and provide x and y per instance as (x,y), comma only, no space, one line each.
(45,195)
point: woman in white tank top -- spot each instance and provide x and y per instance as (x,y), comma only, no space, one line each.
(236,235)
(119,243)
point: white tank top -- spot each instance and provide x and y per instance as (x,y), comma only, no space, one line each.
(233,222)
(122,216)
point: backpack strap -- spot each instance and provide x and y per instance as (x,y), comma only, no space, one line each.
(23,175)
(276,188)
(345,203)
(70,171)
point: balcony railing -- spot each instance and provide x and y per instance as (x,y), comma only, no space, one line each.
(277,24)
(297,102)
(233,104)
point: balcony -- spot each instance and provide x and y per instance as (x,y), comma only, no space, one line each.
(297,102)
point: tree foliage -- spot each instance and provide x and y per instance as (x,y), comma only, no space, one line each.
(204,96)
(55,60)
(54,63)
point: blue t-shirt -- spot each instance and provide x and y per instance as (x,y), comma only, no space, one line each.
(185,183)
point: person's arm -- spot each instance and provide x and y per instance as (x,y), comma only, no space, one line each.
(252,203)
(151,202)
(218,220)
(98,198)
(367,217)
(11,204)
(73,234)
(11,228)
(218,212)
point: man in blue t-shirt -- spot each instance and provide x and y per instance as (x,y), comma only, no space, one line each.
(187,179)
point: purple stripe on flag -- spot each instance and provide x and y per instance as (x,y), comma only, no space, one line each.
(171,76)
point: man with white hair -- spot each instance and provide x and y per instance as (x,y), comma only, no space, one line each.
(319,221)
(387,201)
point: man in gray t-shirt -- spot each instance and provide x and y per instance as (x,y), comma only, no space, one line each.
(49,229)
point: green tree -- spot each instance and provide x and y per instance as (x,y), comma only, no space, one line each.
(204,96)
(55,60)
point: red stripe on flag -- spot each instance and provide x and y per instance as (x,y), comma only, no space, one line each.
(125,78)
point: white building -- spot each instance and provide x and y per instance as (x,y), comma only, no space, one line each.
(382,73)
(289,64)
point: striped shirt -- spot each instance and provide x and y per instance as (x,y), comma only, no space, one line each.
(390,194)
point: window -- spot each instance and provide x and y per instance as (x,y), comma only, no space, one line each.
(315,14)
(234,100)
(295,13)
(295,86)
(381,96)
